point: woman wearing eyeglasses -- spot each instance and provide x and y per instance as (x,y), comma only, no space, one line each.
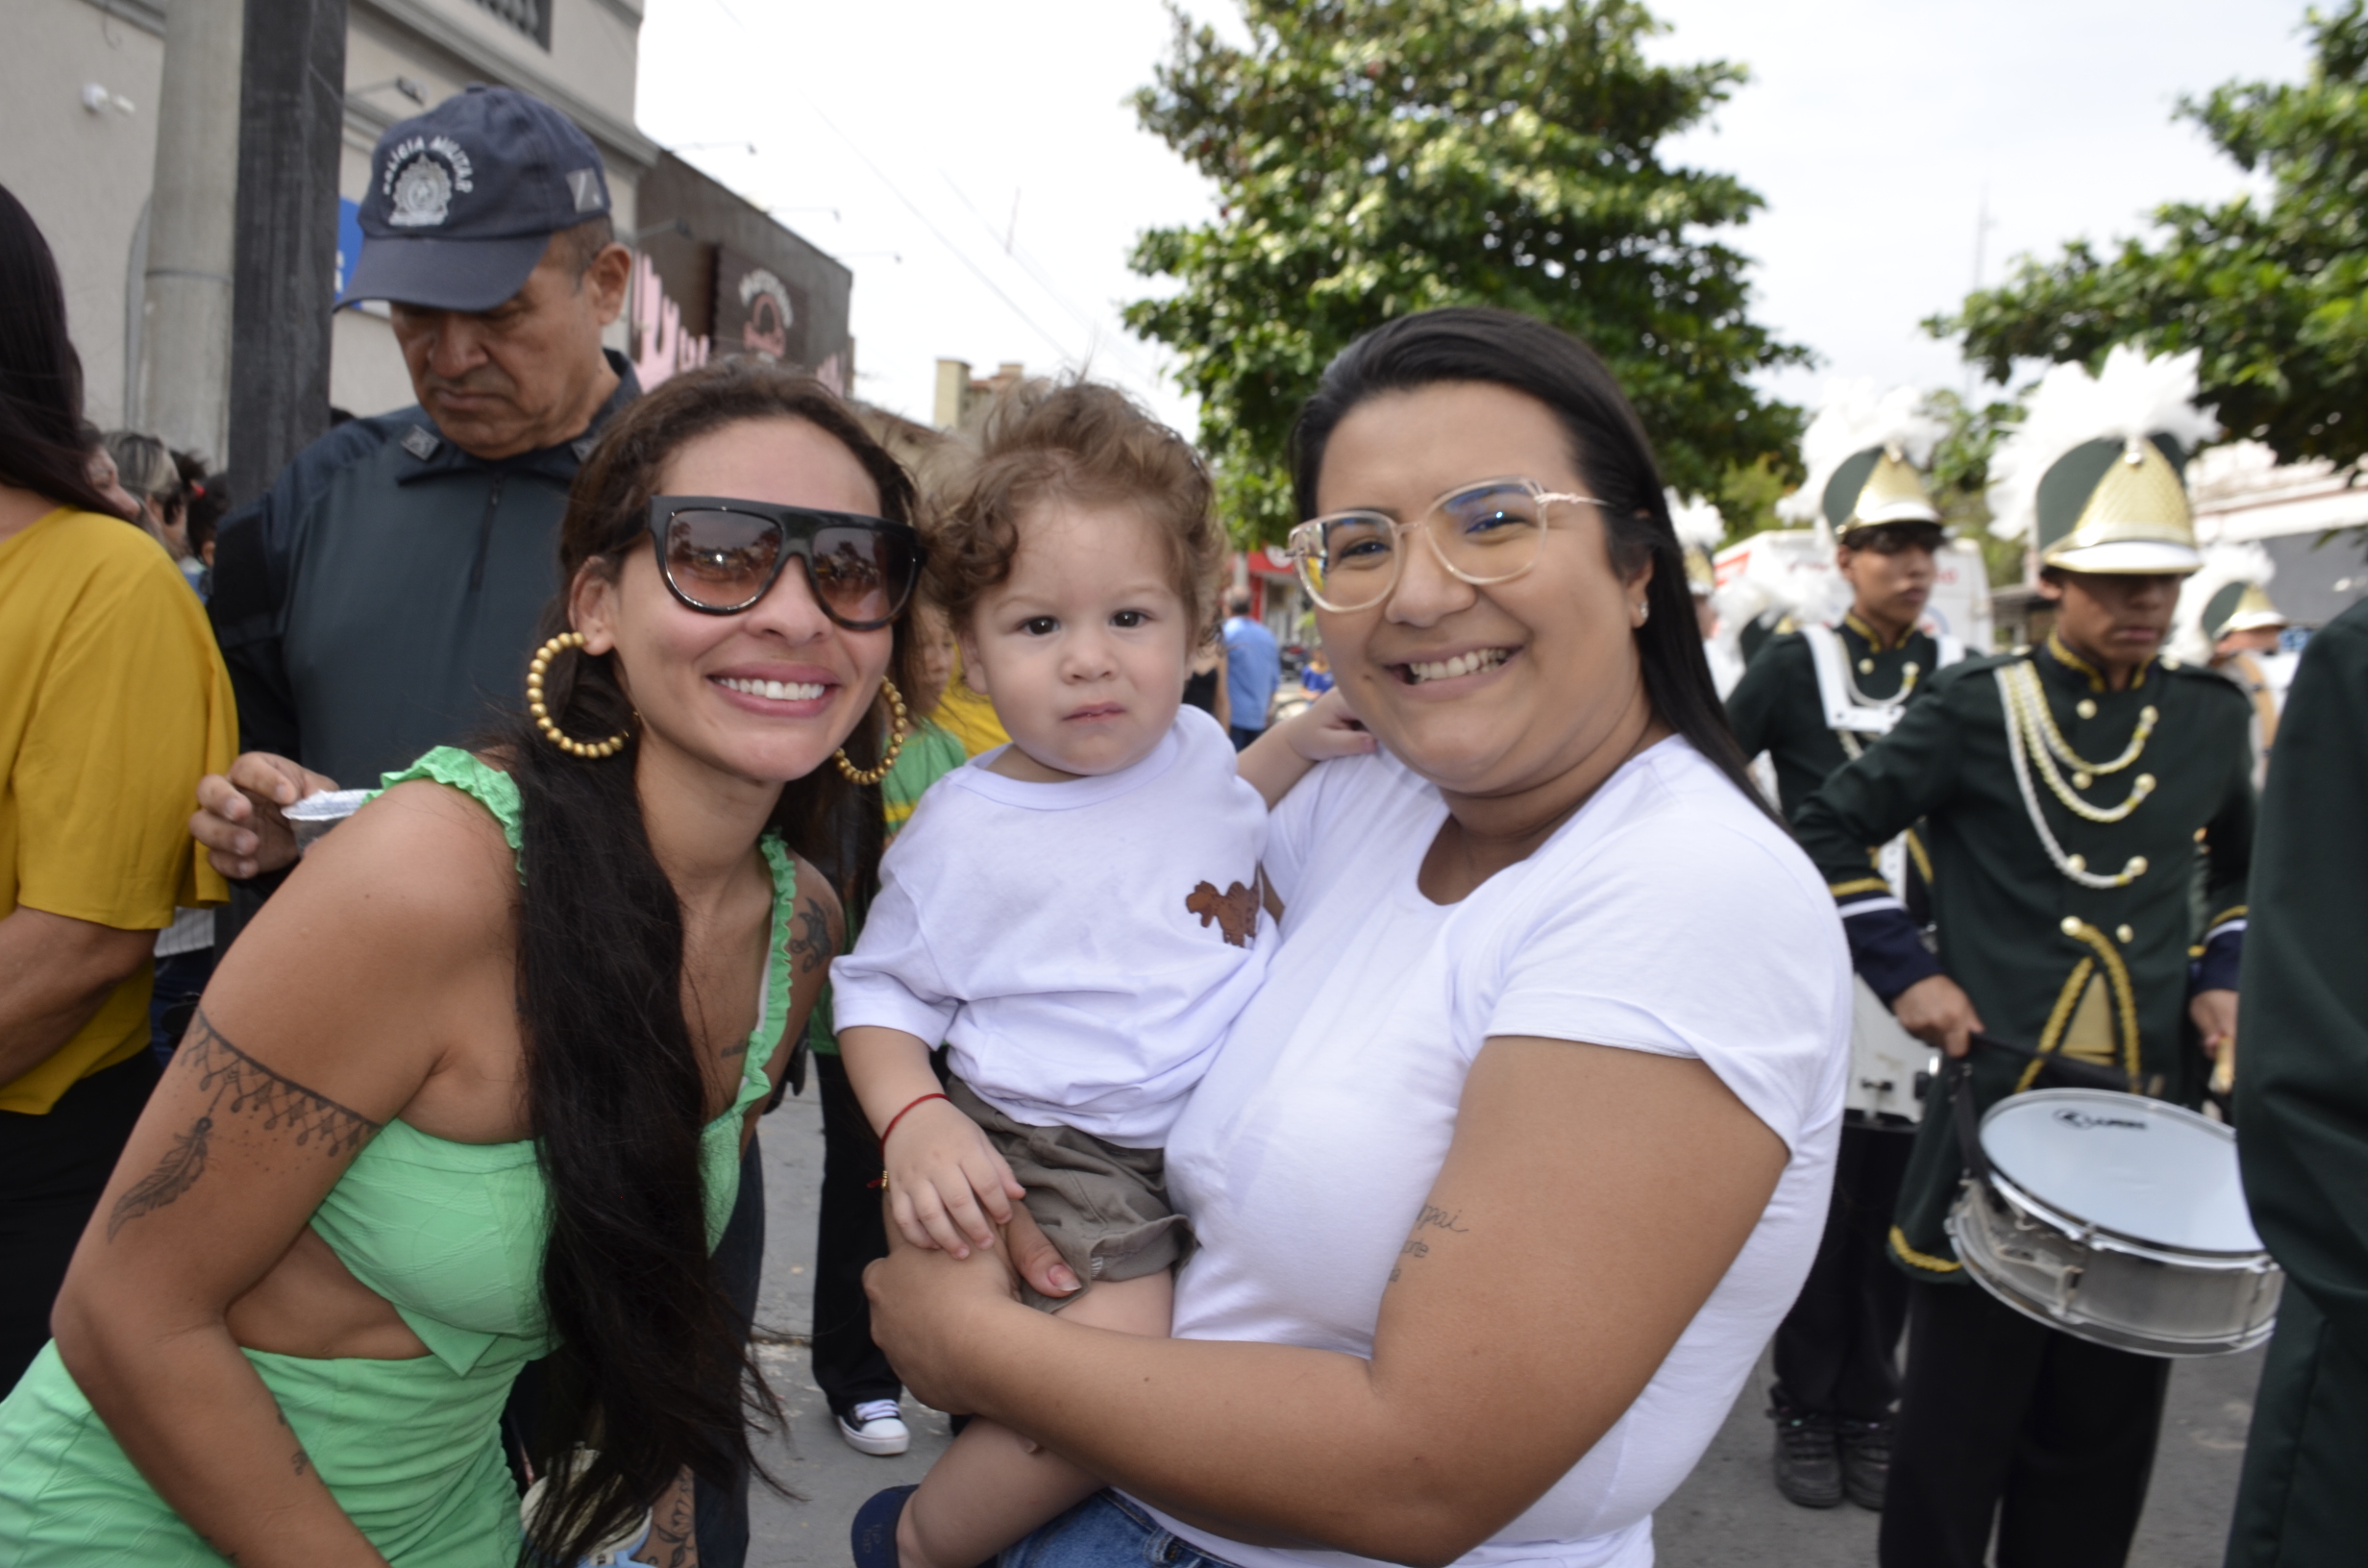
(473,1088)
(1507,1173)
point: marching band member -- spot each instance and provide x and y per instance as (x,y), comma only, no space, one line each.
(2069,790)
(2302,1103)
(2244,625)
(1813,699)
(1700,525)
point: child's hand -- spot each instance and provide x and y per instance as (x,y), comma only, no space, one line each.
(1325,729)
(946,1186)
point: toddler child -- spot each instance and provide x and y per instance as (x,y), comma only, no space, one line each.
(1076,915)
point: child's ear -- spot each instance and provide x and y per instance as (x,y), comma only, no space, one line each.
(971,673)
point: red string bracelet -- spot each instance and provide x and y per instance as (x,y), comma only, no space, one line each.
(901,1115)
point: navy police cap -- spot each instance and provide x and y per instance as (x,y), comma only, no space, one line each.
(464,200)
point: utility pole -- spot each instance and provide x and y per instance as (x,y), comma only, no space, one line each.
(192,236)
(291,120)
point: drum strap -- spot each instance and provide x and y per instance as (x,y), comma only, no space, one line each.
(1960,1076)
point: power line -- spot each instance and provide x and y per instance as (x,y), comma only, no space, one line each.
(959,254)
(1094,330)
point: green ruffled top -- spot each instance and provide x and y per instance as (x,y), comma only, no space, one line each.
(454,1233)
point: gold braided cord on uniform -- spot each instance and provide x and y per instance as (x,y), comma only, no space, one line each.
(2032,728)
(2147,718)
(1915,852)
(1921,1260)
(2116,981)
(2074,866)
(2234,912)
(2060,1015)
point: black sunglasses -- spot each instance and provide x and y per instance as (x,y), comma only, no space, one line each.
(719,556)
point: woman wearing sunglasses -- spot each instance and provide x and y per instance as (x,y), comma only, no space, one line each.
(1507,1173)
(473,1088)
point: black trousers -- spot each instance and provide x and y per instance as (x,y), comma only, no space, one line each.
(1838,1351)
(721,1520)
(848,1367)
(52,1171)
(2003,1418)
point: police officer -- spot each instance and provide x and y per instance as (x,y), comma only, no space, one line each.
(385,591)
(2301,1102)
(1813,700)
(2070,790)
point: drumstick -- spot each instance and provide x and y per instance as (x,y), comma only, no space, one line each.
(2223,1069)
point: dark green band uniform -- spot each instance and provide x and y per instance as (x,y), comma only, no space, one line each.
(2071,827)
(2048,958)
(1835,1353)
(2302,1110)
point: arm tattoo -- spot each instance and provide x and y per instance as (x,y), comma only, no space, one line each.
(671,1532)
(1433,1218)
(809,941)
(239,1084)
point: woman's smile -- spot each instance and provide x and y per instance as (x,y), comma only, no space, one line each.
(777,691)
(1472,665)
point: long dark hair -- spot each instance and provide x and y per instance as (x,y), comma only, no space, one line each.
(41,444)
(651,1368)
(1607,445)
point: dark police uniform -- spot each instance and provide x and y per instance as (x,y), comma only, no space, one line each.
(1836,1351)
(381,597)
(1997,1408)
(2301,1106)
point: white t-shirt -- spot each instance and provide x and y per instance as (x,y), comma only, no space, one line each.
(1670,916)
(1082,946)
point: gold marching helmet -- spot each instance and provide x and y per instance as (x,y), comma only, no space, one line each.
(1700,526)
(1865,453)
(2091,475)
(2242,607)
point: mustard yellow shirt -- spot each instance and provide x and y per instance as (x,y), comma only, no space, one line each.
(113,702)
(969,717)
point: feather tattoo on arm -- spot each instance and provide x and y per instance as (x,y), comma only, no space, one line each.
(239,1086)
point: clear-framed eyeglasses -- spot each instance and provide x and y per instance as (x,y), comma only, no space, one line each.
(1486,533)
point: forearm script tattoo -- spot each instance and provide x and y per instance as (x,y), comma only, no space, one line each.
(239,1086)
(1432,1218)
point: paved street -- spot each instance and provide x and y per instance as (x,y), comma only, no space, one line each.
(1728,1513)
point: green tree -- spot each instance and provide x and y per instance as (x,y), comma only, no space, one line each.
(1379,157)
(2274,293)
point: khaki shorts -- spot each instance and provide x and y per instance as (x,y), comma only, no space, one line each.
(1104,1207)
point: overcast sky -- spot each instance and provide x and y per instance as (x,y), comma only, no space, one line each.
(981,169)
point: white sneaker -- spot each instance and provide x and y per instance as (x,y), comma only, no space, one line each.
(876,1426)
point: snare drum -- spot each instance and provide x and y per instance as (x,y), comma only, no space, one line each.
(1891,1071)
(2120,1220)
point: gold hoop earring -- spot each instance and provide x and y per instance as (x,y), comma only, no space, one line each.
(898,729)
(590,750)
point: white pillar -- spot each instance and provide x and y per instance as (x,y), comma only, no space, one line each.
(192,228)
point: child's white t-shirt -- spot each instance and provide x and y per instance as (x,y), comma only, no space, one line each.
(1670,916)
(1082,946)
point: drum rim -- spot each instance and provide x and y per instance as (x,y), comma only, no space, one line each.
(2106,1238)
(2076,1222)
(2093,1329)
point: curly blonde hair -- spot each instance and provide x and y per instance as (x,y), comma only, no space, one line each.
(1079,441)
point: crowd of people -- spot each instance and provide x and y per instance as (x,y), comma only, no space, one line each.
(1286,1135)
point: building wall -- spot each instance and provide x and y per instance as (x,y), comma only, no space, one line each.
(730,256)
(84,175)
